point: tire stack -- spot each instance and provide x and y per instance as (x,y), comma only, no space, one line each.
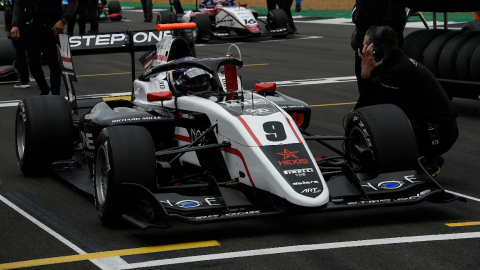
(453,55)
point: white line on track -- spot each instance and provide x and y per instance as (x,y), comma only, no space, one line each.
(107,263)
(299,248)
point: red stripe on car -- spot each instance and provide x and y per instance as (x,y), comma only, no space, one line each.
(237,152)
(182,138)
(249,130)
(293,129)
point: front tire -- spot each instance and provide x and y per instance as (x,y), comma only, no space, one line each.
(203,23)
(43,133)
(123,154)
(386,131)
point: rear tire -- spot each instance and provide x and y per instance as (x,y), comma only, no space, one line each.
(386,131)
(472,26)
(277,18)
(123,154)
(43,133)
(114,7)
(166,16)
(7,52)
(203,23)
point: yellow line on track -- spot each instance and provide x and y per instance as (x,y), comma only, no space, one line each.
(460,224)
(107,254)
(333,104)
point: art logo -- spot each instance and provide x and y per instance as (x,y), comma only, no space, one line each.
(290,158)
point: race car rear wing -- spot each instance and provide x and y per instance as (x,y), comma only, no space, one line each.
(129,42)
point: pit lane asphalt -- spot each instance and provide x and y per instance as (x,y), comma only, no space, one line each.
(72,214)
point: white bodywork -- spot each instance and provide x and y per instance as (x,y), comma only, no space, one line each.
(245,154)
(230,17)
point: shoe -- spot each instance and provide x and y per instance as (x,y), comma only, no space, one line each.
(298,8)
(148,20)
(22,85)
(93,31)
(431,166)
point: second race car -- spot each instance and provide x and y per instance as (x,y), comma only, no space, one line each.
(222,19)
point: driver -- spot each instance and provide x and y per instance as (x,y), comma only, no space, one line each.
(191,80)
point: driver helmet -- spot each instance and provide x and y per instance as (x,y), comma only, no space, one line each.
(220,2)
(191,79)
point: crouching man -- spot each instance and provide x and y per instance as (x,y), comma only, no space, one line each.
(412,87)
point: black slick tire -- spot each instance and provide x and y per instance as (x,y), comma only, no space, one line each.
(386,131)
(114,7)
(462,65)
(166,16)
(415,46)
(472,26)
(203,23)
(449,53)
(7,52)
(123,154)
(277,18)
(43,133)
(432,53)
(475,65)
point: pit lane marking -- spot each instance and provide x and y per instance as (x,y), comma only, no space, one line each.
(101,263)
(299,248)
(107,254)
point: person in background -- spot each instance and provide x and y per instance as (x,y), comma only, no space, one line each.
(298,5)
(21,64)
(377,12)
(147,10)
(404,82)
(93,16)
(45,20)
(81,11)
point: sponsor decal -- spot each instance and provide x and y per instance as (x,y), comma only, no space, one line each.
(390,184)
(411,198)
(311,190)
(261,111)
(136,119)
(227,215)
(188,204)
(292,106)
(298,172)
(290,162)
(305,183)
(365,133)
(87,140)
(116,39)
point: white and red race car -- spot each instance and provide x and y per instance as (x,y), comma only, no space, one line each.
(226,21)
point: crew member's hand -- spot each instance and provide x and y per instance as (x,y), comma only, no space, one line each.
(58,28)
(368,62)
(15,33)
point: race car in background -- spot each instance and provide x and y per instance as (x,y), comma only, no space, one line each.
(223,19)
(112,10)
(230,151)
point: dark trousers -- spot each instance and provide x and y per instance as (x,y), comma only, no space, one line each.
(40,39)
(447,133)
(82,16)
(21,64)
(92,14)
(147,9)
